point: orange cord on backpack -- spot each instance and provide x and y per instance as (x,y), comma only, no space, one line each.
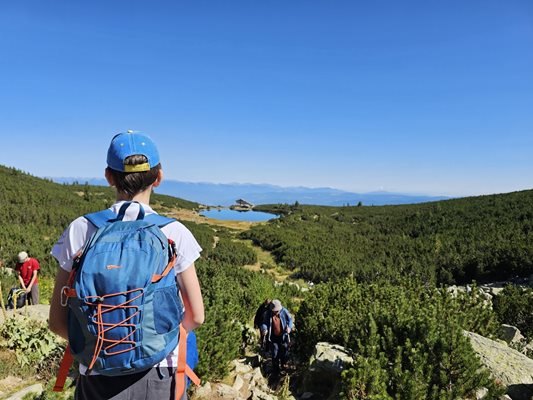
(104,327)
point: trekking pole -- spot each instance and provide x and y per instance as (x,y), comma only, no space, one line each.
(16,294)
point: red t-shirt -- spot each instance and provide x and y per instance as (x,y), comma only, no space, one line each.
(26,270)
(276,325)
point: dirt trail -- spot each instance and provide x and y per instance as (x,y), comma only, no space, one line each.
(264,258)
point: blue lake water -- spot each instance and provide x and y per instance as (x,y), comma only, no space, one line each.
(232,215)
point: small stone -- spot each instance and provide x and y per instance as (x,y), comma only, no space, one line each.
(481,393)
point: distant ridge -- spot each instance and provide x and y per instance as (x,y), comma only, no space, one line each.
(225,194)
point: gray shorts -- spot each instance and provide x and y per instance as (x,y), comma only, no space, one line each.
(155,384)
(33,296)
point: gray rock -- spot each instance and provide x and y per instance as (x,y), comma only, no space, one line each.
(256,377)
(528,348)
(495,291)
(227,392)
(203,392)
(240,367)
(512,368)
(258,394)
(38,312)
(238,383)
(36,389)
(323,374)
(481,393)
(306,396)
(330,357)
(511,334)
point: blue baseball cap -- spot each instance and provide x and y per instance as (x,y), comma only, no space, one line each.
(128,144)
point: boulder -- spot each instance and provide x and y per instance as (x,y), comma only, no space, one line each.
(512,368)
(203,392)
(227,392)
(38,312)
(511,334)
(323,374)
(495,291)
(240,366)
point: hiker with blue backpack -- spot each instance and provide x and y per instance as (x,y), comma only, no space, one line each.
(126,293)
(277,326)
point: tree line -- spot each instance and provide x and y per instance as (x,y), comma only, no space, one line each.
(453,241)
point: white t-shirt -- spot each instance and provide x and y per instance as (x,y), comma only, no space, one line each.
(80,231)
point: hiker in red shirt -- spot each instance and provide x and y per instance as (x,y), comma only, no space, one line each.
(27,268)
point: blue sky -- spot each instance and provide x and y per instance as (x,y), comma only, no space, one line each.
(407,96)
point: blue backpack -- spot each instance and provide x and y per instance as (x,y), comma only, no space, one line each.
(124,305)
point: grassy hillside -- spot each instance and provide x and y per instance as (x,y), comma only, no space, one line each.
(486,237)
(34,212)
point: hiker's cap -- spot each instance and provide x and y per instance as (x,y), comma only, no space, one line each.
(22,256)
(276,305)
(128,144)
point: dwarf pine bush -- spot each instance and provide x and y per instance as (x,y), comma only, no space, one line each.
(408,340)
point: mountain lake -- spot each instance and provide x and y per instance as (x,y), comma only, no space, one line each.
(233,215)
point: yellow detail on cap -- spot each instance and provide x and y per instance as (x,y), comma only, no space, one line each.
(137,168)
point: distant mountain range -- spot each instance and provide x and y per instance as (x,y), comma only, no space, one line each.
(225,194)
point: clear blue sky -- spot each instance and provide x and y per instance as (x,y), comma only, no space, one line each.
(411,96)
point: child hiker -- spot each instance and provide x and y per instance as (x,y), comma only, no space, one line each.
(134,169)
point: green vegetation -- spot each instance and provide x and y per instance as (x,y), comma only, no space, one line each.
(454,241)
(407,339)
(514,306)
(33,345)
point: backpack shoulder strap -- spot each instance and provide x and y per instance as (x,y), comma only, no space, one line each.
(101,218)
(104,217)
(159,220)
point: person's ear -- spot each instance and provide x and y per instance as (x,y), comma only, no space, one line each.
(158,179)
(109,177)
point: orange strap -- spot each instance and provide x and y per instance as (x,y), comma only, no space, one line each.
(183,369)
(66,362)
(170,265)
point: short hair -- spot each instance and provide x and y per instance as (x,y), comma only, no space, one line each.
(132,183)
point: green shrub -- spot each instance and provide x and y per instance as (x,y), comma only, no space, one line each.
(31,340)
(407,340)
(233,253)
(514,306)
